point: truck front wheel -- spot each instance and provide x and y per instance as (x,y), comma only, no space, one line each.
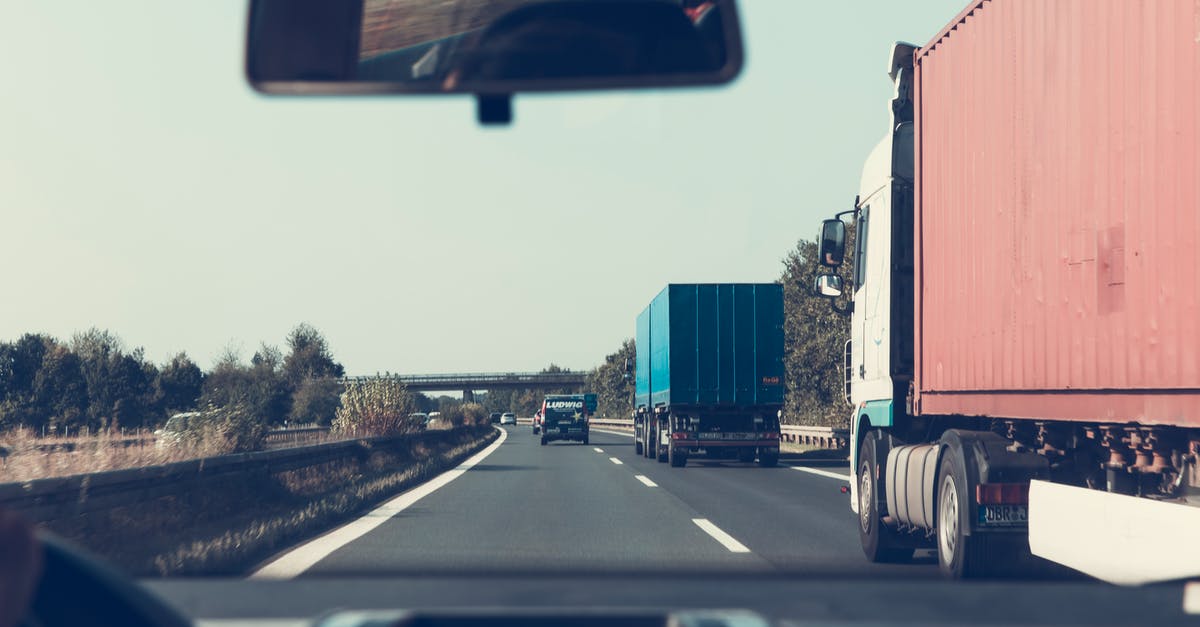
(543,440)
(878,540)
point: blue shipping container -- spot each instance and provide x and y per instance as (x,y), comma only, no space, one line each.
(711,345)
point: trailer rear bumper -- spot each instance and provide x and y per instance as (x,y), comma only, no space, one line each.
(727,443)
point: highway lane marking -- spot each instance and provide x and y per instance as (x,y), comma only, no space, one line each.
(628,435)
(615,461)
(302,558)
(598,450)
(646,480)
(823,473)
(725,539)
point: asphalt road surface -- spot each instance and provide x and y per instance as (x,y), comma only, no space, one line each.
(595,526)
(601,508)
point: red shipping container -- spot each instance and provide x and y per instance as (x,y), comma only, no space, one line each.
(1058,212)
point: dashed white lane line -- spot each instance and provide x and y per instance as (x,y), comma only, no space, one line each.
(646,480)
(598,450)
(725,539)
(823,473)
(615,461)
(302,558)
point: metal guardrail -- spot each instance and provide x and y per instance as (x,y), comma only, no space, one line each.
(277,436)
(824,437)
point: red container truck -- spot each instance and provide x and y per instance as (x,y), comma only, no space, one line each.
(1024,362)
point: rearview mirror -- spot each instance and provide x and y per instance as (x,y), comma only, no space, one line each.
(831,245)
(828,286)
(499,47)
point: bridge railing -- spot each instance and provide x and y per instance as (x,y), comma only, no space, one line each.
(477,378)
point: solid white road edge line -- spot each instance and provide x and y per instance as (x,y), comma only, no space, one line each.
(725,539)
(303,557)
(628,435)
(615,461)
(823,473)
(646,480)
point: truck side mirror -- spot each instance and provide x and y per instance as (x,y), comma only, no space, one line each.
(831,246)
(828,286)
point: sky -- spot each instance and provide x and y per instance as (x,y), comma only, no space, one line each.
(147,190)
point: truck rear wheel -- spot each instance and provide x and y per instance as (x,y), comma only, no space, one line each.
(960,556)
(768,459)
(637,448)
(878,540)
(677,457)
(746,456)
(543,440)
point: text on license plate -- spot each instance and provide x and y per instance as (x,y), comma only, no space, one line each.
(1002,515)
(726,436)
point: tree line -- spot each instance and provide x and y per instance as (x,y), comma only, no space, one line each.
(92,382)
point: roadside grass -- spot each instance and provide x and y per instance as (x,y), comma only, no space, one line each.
(27,458)
(24,457)
(313,500)
(225,523)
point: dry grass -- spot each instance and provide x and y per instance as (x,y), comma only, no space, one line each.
(26,459)
(338,492)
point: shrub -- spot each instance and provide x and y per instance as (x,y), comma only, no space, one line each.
(374,407)
(216,430)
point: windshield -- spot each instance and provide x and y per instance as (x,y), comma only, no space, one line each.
(310,288)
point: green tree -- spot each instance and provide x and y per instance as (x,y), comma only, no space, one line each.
(815,338)
(310,356)
(316,401)
(20,362)
(178,385)
(59,390)
(260,386)
(613,389)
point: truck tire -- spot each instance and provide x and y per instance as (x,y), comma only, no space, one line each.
(768,460)
(677,457)
(746,456)
(661,452)
(637,448)
(960,556)
(879,542)
(543,440)
(585,439)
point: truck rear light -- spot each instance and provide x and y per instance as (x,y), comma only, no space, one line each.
(1002,494)
(771,435)
(679,435)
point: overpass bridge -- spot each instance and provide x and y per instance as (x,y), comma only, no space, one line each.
(469,382)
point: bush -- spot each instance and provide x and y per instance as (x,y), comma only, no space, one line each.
(216,430)
(374,407)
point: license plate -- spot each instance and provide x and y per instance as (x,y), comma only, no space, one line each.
(1003,515)
(726,436)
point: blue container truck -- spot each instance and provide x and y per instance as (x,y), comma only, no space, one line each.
(709,373)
